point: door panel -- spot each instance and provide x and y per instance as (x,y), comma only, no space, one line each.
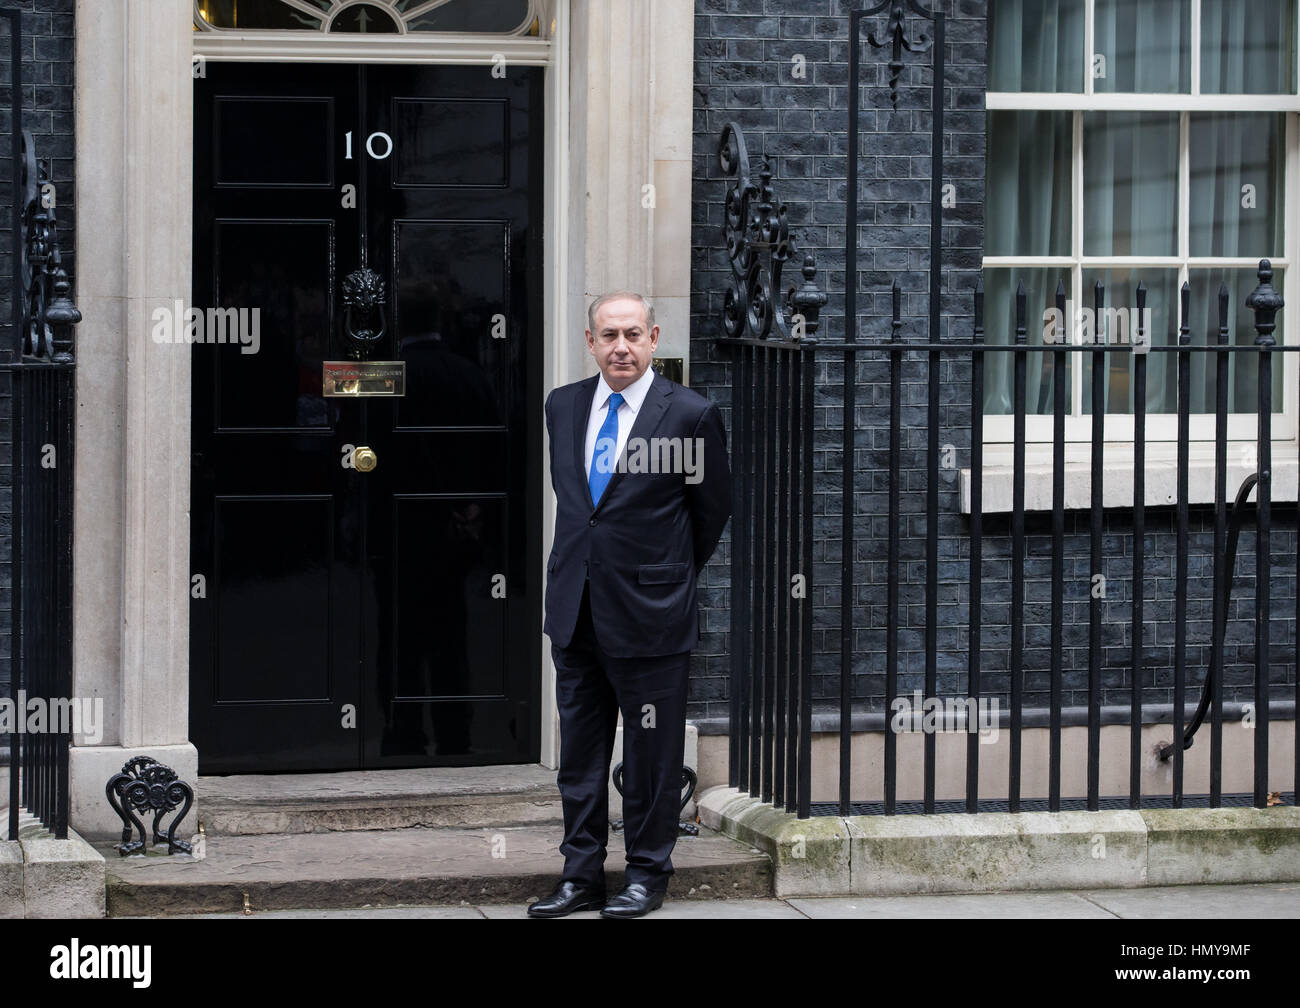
(295,664)
(451,281)
(448,694)
(454,217)
(265,141)
(274,638)
(285,268)
(480,157)
(386,618)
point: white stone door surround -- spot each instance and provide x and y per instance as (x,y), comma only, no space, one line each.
(618,157)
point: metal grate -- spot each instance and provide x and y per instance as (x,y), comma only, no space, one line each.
(958,805)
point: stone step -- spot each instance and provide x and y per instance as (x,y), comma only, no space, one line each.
(494,796)
(414,866)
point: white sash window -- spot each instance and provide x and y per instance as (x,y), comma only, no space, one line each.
(1141,140)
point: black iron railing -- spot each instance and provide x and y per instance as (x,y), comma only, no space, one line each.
(41,369)
(775,357)
(772,564)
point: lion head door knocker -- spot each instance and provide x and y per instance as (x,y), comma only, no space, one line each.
(363,312)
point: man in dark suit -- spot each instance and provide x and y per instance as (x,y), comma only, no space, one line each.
(643,491)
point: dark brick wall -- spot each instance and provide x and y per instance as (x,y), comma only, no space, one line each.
(743,72)
(47,94)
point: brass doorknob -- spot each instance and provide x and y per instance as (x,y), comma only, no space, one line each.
(365,459)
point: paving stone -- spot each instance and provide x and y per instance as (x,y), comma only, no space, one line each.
(678,909)
(1275,900)
(995,906)
(355,913)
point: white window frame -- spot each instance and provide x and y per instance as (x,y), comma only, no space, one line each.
(1160,486)
(516,47)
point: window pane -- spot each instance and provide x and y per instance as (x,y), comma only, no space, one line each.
(473,16)
(1142,46)
(377,17)
(1130,183)
(1000,328)
(1117,323)
(1028,204)
(1243,368)
(259,14)
(1036,45)
(1248,46)
(366,19)
(1238,183)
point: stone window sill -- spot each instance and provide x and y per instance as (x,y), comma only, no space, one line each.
(1117,475)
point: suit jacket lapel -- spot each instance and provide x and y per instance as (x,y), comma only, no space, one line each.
(586,392)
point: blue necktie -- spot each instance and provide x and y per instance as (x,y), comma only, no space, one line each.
(602,458)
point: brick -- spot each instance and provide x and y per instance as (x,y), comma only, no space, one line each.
(893,232)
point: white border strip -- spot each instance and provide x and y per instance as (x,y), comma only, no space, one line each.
(309,47)
(1068,102)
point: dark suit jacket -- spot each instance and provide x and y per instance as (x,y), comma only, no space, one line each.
(651,534)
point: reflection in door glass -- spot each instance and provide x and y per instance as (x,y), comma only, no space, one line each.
(448,629)
(451,294)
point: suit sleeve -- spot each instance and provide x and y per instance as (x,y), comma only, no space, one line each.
(710,498)
(550,433)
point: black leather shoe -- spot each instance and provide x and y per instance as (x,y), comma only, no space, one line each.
(569,897)
(634,901)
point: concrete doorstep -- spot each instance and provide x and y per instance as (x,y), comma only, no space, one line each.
(991,852)
(282,804)
(385,868)
(41,877)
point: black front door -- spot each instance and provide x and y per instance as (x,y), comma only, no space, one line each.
(343,618)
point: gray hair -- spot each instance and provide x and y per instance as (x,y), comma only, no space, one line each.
(619,296)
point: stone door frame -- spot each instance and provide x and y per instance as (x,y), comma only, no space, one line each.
(619,79)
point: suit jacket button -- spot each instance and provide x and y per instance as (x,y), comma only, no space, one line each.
(592,522)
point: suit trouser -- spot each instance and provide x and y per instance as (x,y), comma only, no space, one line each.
(591,687)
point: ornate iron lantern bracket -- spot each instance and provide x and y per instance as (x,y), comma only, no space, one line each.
(49,312)
(757,237)
(895,36)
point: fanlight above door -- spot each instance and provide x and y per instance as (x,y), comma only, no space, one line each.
(372,17)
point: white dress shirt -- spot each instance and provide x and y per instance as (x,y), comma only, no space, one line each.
(633,398)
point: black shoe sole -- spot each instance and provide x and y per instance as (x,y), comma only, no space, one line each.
(580,908)
(627,916)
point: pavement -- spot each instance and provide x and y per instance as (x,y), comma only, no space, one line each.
(1273,901)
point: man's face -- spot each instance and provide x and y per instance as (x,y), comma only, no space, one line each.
(622,343)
